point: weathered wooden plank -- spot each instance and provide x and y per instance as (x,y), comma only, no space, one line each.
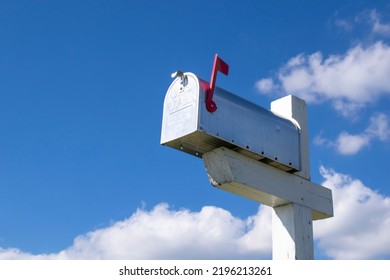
(260,182)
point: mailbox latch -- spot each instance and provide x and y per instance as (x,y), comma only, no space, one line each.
(223,67)
(183,78)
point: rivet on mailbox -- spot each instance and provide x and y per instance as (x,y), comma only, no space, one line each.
(199,117)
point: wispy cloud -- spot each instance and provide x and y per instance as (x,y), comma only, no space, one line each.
(350,81)
(350,144)
(370,23)
(378,27)
(344,24)
(359,230)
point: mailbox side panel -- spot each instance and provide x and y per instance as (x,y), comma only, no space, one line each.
(253,130)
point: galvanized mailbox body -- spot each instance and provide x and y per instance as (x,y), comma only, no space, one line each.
(237,124)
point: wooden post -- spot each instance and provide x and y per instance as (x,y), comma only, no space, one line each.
(292,224)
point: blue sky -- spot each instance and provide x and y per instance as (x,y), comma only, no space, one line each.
(82,84)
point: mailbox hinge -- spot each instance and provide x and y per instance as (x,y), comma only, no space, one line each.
(223,67)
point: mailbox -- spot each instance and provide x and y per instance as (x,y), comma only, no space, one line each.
(190,126)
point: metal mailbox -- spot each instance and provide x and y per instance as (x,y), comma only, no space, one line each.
(237,124)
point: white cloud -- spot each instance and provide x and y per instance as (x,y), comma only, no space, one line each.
(347,144)
(361,223)
(350,81)
(14,253)
(359,230)
(379,127)
(350,144)
(212,233)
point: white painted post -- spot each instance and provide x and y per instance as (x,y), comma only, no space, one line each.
(292,232)
(292,225)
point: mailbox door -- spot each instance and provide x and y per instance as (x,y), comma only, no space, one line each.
(181,106)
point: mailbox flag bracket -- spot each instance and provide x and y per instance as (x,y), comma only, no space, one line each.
(223,67)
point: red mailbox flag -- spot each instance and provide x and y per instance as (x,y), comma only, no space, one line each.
(223,67)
